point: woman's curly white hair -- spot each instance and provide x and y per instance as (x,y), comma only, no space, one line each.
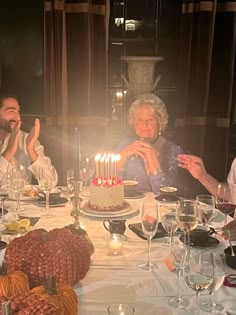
(153,102)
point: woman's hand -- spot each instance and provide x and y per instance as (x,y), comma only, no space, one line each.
(193,164)
(145,151)
(231,226)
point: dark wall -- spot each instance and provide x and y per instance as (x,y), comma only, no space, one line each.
(22,52)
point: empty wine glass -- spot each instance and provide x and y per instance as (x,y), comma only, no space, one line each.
(46,180)
(206,207)
(177,254)
(218,279)
(149,227)
(87,168)
(168,217)
(199,275)
(70,183)
(3,195)
(17,185)
(225,199)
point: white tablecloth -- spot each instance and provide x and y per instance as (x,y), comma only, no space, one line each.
(118,279)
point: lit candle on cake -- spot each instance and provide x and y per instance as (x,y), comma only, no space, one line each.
(97,159)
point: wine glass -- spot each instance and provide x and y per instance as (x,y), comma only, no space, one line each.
(168,218)
(199,275)
(149,226)
(224,199)
(87,168)
(206,207)
(17,185)
(218,279)
(46,180)
(177,254)
(70,182)
(3,194)
(187,220)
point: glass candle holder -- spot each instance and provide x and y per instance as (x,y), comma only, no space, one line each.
(115,243)
(120,309)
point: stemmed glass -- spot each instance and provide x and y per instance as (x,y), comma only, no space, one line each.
(187,220)
(224,199)
(70,182)
(177,254)
(199,275)
(149,226)
(17,185)
(87,168)
(218,279)
(3,195)
(206,207)
(46,180)
(168,218)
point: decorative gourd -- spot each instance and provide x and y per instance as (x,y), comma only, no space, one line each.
(13,283)
(62,295)
(81,233)
(40,254)
(27,303)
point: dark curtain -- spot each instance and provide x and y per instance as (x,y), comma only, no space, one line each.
(76,73)
(205,84)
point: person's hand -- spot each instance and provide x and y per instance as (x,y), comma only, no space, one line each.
(33,135)
(32,139)
(193,164)
(231,226)
(13,142)
(145,151)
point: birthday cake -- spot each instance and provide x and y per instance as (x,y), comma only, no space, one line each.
(106,194)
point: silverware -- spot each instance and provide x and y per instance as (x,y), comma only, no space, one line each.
(227,232)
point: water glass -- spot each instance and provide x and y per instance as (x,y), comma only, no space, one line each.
(200,274)
(168,211)
(17,184)
(46,180)
(206,207)
(177,255)
(218,279)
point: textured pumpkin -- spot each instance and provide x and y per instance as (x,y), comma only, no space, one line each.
(40,254)
(13,283)
(62,295)
(28,304)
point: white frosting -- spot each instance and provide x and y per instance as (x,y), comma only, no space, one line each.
(106,197)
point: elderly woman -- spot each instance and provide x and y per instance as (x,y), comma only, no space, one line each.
(149,158)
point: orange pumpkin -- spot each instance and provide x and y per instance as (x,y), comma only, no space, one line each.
(13,283)
(27,303)
(61,295)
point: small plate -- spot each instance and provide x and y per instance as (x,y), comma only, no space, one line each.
(212,242)
(133,194)
(54,201)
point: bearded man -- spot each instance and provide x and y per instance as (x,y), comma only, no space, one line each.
(17,146)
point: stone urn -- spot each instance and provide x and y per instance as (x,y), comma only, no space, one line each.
(141,70)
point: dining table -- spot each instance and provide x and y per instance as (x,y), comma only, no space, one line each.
(118,278)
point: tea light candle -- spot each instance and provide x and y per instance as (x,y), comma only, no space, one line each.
(115,243)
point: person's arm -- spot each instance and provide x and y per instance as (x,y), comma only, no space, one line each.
(196,168)
(31,141)
(166,175)
(231,226)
